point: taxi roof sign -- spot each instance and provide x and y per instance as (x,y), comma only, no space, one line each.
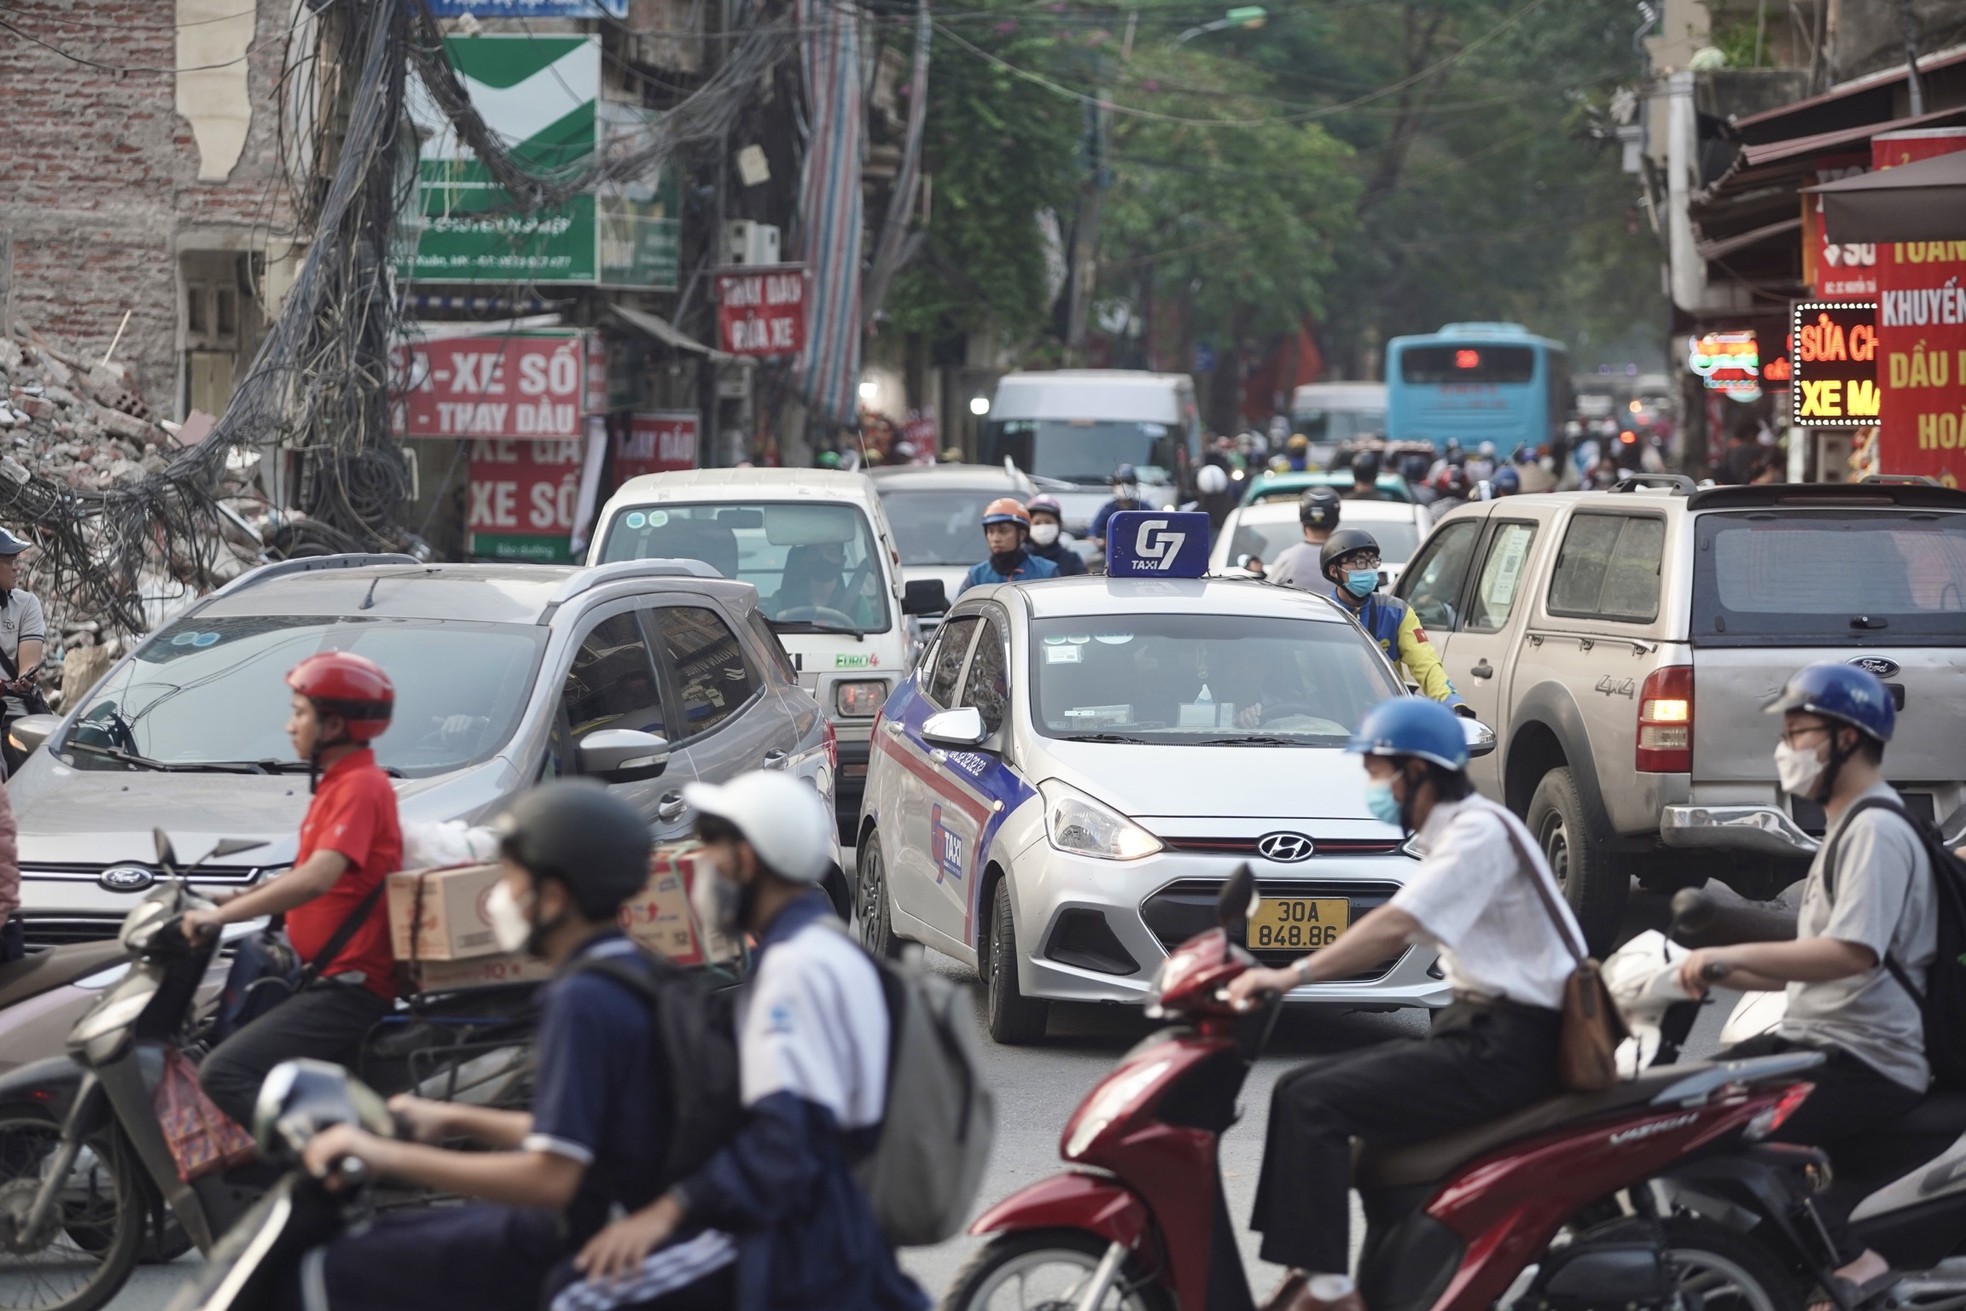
(1156,544)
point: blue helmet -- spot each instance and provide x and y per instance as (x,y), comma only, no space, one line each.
(1507,482)
(1412,726)
(1841,692)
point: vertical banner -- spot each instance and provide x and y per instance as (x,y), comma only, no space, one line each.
(523,498)
(655,443)
(1921,333)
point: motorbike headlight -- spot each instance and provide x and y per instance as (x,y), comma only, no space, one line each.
(1076,823)
(114,1013)
(1114,1099)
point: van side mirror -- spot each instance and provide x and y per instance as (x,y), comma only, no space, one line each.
(924,596)
(621,755)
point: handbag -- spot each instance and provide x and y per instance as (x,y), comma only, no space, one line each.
(31,699)
(203,1139)
(1587,1051)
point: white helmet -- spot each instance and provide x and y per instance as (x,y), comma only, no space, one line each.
(1210,480)
(783,818)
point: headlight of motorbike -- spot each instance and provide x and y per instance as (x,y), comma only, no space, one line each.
(114,1013)
(1113,1100)
(1076,823)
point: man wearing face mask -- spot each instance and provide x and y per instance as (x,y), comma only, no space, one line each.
(1864,941)
(1350,562)
(1047,522)
(1484,897)
(812,1029)
(594,1139)
(1006,527)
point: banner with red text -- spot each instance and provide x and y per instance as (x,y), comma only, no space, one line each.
(762,310)
(524,385)
(654,443)
(523,498)
(1921,333)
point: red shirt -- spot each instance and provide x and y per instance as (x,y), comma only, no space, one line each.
(353,813)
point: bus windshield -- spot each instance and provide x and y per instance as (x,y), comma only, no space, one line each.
(1083,450)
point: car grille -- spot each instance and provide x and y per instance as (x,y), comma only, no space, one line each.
(1320,846)
(217,875)
(64,930)
(1187,907)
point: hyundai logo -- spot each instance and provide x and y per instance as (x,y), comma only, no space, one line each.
(126,878)
(1284,848)
(1876,665)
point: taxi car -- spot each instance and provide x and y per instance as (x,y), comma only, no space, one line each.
(1060,787)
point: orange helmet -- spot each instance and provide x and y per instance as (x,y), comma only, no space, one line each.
(352,686)
(1006,509)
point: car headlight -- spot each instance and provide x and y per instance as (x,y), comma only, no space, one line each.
(1076,823)
(861,699)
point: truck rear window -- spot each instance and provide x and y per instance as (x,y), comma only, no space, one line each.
(1773,577)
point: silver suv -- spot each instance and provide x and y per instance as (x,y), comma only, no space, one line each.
(645,674)
(1622,643)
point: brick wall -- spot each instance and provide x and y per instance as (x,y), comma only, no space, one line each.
(99,175)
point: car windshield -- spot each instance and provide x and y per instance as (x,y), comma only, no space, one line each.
(212,691)
(813,563)
(1830,575)
(1192,679)
(1083,451)
(1265,540)
(1391,486)
(942,526)
(1325,426)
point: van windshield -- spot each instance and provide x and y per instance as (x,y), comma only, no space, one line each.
(1322,425)
(1083,451)
(814,565)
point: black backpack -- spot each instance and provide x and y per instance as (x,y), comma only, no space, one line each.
(1942,1004)
(694,1016)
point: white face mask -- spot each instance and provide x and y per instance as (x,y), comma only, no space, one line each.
(509,925)
(710,903)
(1797,769)
(1044,534)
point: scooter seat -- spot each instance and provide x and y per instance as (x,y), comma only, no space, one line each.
(1432,1159)
(44,971)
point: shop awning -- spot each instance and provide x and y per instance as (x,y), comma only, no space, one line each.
(660,329)
(1844,138)
(1725,246)
(1925,201)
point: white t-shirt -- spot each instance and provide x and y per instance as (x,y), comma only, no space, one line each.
(814,1023)
(20,621)
(1474,901)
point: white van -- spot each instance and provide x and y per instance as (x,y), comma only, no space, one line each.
(816,545)
(1333,413)
(1071,428)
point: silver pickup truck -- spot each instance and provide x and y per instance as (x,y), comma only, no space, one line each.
(1622,643)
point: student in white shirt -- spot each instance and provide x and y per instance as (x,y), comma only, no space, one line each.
(1505,947)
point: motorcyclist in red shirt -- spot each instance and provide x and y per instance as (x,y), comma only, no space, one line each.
(349,843)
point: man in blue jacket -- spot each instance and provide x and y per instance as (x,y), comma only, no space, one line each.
(1007,530)
(774,1220)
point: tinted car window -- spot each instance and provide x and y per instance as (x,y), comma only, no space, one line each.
(612,683)
(946,661)
(769,640)
(709,666)
(940,527)
(1501,577)
(1609,568)
(1432,584)
(988,685)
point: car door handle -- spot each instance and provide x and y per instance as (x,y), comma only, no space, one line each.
(775,759)
(1483,670)
(671,807)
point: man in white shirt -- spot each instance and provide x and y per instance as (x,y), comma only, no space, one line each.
(1483,896)
(23,639)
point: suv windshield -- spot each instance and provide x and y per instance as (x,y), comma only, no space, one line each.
(814,564)
(1083,451)
(1265,540)
(1186,680)
(1775,576)
(212,691)
(941,527)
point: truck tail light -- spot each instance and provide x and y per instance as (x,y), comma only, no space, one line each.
(1665,721)
(832,749)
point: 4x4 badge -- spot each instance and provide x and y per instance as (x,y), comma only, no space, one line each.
(1876,665)
(1612,687)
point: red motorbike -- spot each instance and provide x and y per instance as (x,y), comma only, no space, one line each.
(1650,1194)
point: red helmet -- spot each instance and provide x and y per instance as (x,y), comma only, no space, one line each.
(1006,509)
(352,686)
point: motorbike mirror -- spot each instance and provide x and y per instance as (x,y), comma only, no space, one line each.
(1238,899)
(302,1097)
(232,847)
(166,853)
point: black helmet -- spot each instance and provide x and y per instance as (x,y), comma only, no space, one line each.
(1365,468)
(1341,544)
(1319,508)
(1126,473)
(581,834)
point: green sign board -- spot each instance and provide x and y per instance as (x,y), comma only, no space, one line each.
(540,95)
(514,546)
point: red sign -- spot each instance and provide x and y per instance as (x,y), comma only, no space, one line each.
(514,385)
(1835,384)
(1921,334)
(1844,271)
(762,311)
(523,496)
(655,443)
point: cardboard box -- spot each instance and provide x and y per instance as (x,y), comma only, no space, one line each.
(453,925)
(660,918)
(478,972)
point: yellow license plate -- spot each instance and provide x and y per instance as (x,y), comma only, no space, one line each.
(1298,923)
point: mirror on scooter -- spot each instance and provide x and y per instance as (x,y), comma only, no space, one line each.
(166,853)
(301,1098)
(232,847)
(1237,901)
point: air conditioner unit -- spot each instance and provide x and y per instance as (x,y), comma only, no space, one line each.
(746,242)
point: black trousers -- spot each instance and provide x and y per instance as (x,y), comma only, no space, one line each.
(1850,1098)
(326,1022)
(13,940)
(1479,1063)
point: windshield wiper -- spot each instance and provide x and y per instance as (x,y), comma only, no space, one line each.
(1103,737)
(163,766)
(1251,740)
(270,766)
(814,626)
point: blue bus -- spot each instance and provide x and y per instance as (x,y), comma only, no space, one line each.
(1478,382)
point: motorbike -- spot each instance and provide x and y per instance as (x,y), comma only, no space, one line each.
(88,1184)
(1628,1197)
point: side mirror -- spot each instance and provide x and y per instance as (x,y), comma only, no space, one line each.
(166,853)
(961,728)
(1481,738)
(621,755)
(924,596)
(232,847)
(29,731)
(1238,900)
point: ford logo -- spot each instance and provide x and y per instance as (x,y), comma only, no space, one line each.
(126,878)
(1877,665)
(1284,848)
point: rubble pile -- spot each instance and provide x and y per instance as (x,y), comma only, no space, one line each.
(77,424)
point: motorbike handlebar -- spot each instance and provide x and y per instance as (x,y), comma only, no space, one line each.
(1700,921)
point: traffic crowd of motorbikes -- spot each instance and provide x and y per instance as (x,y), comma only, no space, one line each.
(766,1131)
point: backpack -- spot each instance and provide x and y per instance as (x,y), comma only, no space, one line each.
(694,1019)
(1942,1004)
(926,1165)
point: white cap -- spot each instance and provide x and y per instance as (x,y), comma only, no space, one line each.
(783,818)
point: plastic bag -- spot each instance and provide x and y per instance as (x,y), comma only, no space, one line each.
(452,842)
(203,1139)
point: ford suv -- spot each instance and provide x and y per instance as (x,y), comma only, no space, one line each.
(1624,642)
(645,674)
